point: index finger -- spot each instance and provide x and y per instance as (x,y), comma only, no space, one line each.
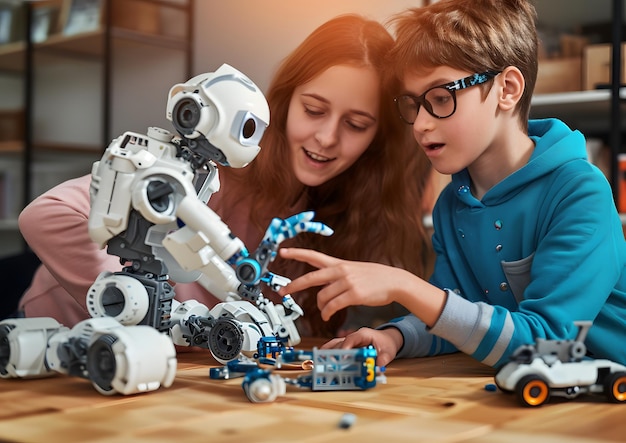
(314,258)
(309,280)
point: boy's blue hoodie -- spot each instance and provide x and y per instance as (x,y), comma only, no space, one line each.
(542,249)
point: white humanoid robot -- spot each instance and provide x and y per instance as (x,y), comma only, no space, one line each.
(148,207)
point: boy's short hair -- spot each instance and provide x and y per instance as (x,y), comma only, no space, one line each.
(469,35)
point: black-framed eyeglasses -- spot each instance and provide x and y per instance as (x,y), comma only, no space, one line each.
(440,100)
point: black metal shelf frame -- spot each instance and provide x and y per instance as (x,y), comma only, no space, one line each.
(107,74)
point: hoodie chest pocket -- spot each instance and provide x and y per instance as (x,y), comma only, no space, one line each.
(518,275)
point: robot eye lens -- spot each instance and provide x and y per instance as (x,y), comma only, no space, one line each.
(249,128)
(186,115)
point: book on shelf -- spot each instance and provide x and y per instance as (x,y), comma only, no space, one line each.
(82,16)
(44,22)
(12,21)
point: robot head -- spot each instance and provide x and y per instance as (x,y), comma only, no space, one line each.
(222,115)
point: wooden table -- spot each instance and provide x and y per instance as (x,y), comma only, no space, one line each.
(439,399)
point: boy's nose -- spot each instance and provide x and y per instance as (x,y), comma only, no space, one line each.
(424,121)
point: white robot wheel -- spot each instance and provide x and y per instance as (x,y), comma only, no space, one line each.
(119,296)
(265,389)
(130,360)
(261,391)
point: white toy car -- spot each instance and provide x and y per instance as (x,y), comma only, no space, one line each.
(557,367)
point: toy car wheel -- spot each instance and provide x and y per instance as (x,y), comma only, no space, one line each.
(532,391)
(615,387)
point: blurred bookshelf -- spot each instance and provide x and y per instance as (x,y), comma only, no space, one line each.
(37,36)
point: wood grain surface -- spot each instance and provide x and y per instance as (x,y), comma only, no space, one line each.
(439,399)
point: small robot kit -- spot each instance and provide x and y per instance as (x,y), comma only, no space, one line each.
(559,368)
(324,370)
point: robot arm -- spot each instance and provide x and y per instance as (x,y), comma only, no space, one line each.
(253,269)
(206,244)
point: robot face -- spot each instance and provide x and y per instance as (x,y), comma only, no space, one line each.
(223,112)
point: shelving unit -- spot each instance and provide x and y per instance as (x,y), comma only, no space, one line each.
(586,109)
(595,112)
(38,161)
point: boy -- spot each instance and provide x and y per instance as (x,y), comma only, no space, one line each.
(527,236)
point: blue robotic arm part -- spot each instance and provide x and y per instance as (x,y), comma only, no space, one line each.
(253,269)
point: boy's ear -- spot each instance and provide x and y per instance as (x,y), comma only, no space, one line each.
(512,83)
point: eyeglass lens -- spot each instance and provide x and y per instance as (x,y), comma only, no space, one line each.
(439,102)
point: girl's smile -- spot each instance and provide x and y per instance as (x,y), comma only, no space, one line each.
(332,120)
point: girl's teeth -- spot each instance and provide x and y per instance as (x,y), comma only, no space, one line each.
(316,157)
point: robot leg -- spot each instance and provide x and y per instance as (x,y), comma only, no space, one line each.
(130,360)
(23,344)
(116,359)
(191,322)
(228,330)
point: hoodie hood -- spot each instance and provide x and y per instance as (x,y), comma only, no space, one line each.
(555,145)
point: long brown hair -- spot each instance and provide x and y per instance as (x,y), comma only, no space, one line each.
(375,205)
